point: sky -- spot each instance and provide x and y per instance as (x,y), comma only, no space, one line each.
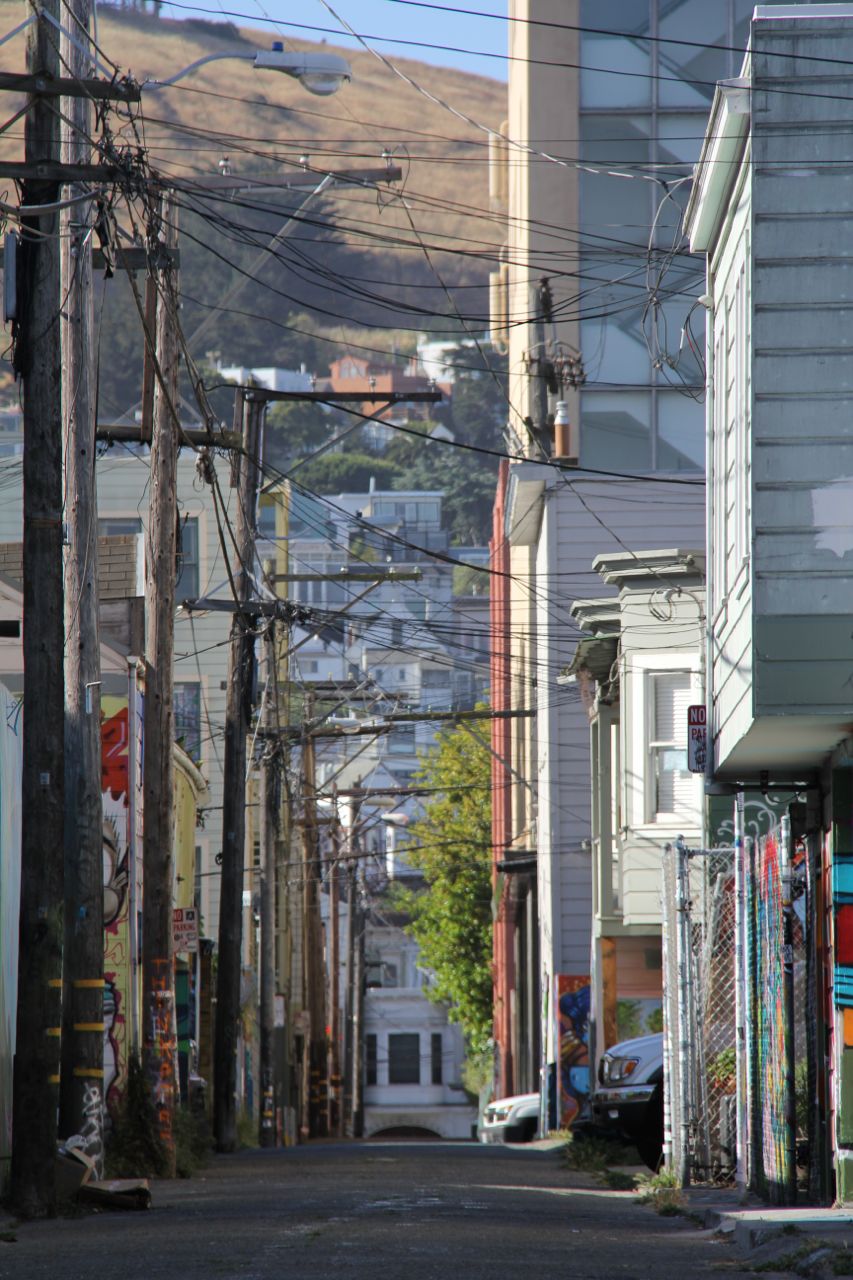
(386,22)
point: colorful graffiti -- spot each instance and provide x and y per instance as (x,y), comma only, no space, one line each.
(769,1014)
(573,1005)
(117,957)
(162,1046)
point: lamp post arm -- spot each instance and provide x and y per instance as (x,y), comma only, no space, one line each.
(200,62)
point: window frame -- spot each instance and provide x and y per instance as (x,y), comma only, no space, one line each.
(396,1065)
(638,811)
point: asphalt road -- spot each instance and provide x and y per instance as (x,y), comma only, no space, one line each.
(370,1211)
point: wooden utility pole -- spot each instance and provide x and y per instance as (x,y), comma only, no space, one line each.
(314,985)
(37,362)
(237,716)
(269,830)
(335,1110)
(81,1108)
(349,1001)
(358,978)
(159,1039)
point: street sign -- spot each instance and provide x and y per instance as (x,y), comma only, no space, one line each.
(697,739)
(185,929)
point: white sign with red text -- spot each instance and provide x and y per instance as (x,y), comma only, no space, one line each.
(185,929)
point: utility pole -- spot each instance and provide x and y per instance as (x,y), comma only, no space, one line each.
(314,1068)
(250,410)
(349,1002)
(359,922)
(159,1038)
(269,830)
(81,1100)
(335,1110)
(37,362)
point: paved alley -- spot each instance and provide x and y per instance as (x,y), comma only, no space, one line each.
(395,1211)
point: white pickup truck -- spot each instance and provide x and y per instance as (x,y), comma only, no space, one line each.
(628,1100)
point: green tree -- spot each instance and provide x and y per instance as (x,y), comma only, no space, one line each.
(295,428)
(451,916)
(346,473)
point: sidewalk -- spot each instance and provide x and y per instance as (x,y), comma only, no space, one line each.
(764,1233)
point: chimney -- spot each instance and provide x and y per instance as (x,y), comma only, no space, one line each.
(566,441)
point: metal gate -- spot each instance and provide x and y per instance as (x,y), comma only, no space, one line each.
(739,1012)
(699,998)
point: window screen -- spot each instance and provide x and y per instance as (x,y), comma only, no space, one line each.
(673,790)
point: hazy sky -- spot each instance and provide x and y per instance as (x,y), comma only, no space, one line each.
(386,22)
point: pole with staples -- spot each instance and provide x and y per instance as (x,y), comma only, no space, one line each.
(37,362)
(237,715)
(159,1032)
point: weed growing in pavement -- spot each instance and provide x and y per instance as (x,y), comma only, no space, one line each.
(842,1263)
(792,1261)
(247,1130)
(596,1155)
(662,1191)
(193,1143)
(617,1180)
(133,1146)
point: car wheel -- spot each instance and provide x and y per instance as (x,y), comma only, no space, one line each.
(649,1142)
(528,1130)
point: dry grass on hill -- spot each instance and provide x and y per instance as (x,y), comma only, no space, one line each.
(265,123)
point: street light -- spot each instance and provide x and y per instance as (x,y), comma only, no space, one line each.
(319,73)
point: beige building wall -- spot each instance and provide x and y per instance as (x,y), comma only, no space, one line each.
(542,196)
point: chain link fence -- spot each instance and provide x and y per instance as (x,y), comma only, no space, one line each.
(698,916)
(776,1001)
(780,1008)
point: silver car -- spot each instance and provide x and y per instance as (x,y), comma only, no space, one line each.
(514,1119)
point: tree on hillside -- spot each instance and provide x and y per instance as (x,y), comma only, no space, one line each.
(345,473)
(451,916)
(479,408)
(295,428)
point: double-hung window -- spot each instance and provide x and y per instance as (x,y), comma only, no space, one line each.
(670,789)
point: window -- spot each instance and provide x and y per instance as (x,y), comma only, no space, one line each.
(671,789)
(118,526)
(435,679)
(402,742)
(370,1058)
(404,1058)
(266,519)
(186,587)
(187,704)
(435,1055)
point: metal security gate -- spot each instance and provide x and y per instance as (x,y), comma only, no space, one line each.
(741,1013)
(781,1002)
(699,999)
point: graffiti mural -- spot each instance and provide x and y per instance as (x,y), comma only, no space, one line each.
(162,1047)
(117,958)
(766,942)
(573,1005)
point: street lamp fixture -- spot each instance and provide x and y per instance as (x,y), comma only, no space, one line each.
(319,73)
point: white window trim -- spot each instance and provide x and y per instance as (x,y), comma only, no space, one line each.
(635,760)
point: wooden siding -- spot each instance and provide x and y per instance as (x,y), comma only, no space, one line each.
(583,518)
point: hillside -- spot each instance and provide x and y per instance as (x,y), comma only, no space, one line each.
(358,260)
